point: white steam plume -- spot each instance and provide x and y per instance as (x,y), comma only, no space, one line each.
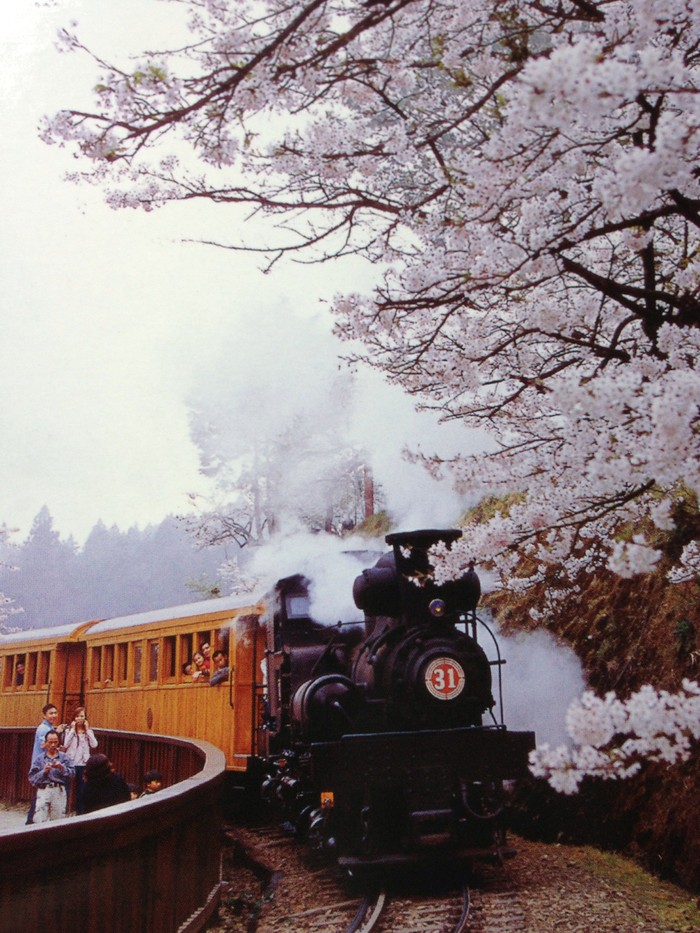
(541,678)
(281,368)
(329,563)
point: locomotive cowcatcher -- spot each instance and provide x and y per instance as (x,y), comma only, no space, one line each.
(373,739)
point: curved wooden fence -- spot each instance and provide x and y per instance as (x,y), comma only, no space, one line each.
(149,866)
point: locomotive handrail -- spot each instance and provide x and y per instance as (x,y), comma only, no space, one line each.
(373,644)
(152,864)
(499,662)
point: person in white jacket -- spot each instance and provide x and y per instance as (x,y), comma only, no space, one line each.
(79,743)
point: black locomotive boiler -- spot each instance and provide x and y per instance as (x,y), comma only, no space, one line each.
(375,746)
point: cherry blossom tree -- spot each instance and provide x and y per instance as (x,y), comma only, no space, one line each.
(524,175)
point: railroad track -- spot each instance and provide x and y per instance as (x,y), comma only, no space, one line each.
(422,913)
(496,904)
(379,913)
(369,914)
(491,903)
(299,897)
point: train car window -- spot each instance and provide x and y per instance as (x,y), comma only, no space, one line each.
(297,606)
(96,665)
(222,638)
(10,661)
(8,671)
(122,662)
(185,655)
(42,677)
(203,638)
(169,657)
(138,660)
(32,667)
(153,654)
(108,665)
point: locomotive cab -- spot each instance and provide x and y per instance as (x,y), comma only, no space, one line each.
(306,663)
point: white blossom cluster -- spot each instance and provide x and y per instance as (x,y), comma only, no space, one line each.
(611,738)
(689,565)
(629,558)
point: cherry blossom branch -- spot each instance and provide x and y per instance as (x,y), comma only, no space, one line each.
(613,738)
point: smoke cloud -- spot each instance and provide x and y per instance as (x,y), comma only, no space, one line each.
(281,373)
(541,678)
(329,563)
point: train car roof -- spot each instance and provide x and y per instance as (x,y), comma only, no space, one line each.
(203,607)
(68,632)
(54,633)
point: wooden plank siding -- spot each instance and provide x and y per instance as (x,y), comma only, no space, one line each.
(47,677)
(15,760)
(149,866)
(222,715)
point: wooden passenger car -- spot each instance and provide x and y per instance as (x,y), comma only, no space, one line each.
(52,659)
(128,672)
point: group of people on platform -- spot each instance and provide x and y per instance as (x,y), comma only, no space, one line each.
(64,760)
(207,667)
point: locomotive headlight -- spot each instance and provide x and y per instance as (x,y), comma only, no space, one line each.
(437,608)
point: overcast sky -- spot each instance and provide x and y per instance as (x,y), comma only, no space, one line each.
(110,323)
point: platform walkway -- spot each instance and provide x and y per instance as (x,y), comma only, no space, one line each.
(12,818)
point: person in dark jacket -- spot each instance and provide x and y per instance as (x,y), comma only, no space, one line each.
(104,787)
(221,669)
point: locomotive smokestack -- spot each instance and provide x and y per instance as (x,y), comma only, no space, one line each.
(400,584)
(414,570)
(411,548)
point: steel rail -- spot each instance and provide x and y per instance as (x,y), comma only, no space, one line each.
(369,913)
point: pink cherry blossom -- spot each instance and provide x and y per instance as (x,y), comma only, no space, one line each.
(611,739)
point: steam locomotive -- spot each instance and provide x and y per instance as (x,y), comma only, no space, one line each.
(374,744)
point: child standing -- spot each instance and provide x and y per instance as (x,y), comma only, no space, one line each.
(152,783)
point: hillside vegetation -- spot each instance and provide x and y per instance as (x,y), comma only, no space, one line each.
(626,632)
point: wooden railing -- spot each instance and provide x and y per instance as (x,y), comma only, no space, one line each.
(149,866)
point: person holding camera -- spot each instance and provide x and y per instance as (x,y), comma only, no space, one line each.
(78,744)
(49,723)
(50,773)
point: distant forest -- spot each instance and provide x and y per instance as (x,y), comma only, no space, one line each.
(115,573)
